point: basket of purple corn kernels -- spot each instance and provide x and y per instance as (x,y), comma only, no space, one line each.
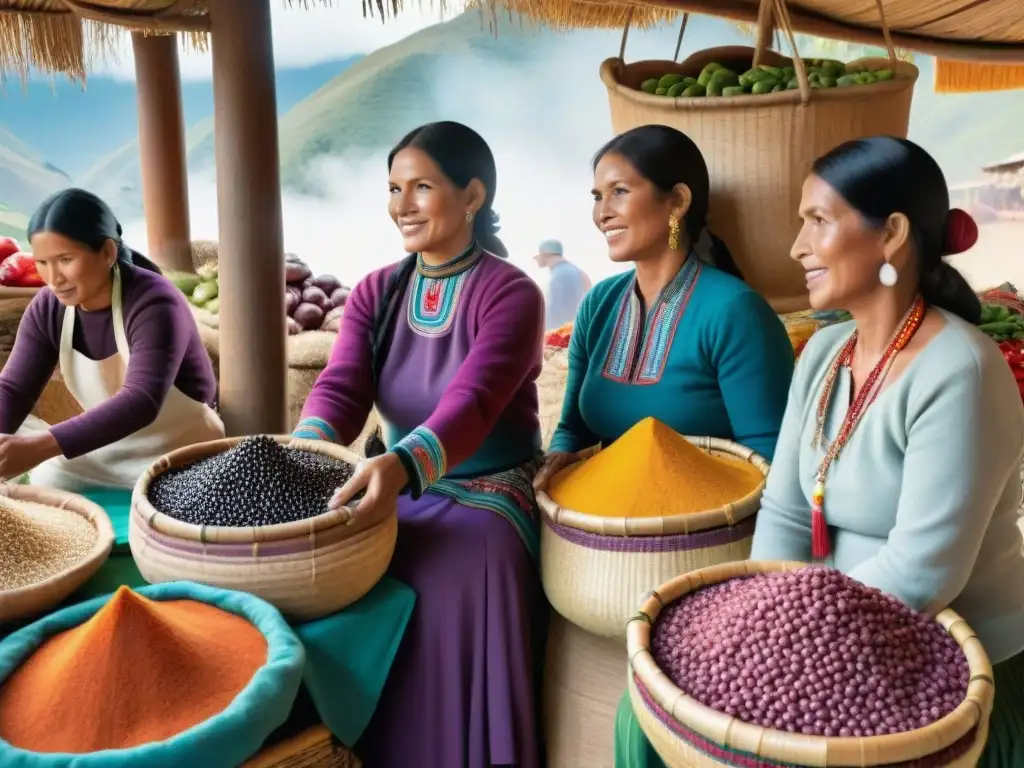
(765,664)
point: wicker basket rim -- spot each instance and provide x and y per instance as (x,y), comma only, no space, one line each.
(906,77)
(781,745)
(657,525)
(71,502)
(173,527)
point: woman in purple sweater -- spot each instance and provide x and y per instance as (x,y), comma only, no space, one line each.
(127,348)
(447,344)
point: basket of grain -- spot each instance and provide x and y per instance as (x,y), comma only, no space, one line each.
(760,147)
(773,663)
(251,514)
(637,513)
(51,542)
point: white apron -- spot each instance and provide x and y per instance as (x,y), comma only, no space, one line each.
(181,421)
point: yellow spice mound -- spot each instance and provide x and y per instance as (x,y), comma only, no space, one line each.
(653,471)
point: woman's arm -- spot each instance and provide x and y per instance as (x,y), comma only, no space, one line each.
(572,434)
(341,400)
(783,530)
(753,357)
(507,349)
(30,366)
(963,446)
(158,333)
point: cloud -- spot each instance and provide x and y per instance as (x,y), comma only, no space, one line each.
(302,38)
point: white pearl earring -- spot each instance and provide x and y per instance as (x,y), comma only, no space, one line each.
(887,275)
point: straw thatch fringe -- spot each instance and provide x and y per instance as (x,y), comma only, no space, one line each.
(968,77)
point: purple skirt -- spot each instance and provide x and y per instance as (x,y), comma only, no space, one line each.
(462,690)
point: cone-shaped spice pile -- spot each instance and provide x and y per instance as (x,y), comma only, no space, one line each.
(138,671)
(653,471)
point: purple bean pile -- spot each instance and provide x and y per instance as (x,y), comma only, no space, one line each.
(811,651)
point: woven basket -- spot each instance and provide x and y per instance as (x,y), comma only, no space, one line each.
(38,598)
(584,679)
(13,303)
(686,734)
(760,148)
(307,569)
(595,569)
(551,390)
(313,748)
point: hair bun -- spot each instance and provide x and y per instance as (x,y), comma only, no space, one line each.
(961,232)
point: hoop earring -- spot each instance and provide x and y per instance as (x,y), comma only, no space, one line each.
(887,275)
(673,233)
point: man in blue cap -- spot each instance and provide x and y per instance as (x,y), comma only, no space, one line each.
(566,286)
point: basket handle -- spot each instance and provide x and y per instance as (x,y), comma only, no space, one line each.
(625,35)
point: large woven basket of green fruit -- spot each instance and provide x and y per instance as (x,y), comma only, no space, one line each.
(251,514)
(760,120)
(787,664)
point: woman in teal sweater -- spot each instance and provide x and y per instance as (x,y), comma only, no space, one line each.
(681,337)
(924,502)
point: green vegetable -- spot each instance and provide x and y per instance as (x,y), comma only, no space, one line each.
(764,86)
(714,88)
(676,90)
(667,81)
(725,78)
(688,81)
(213,305)
(866,78)
(208,271)
(707,72)
(649,86)
(661,92)
(778,87)
(775,72)
(1002,328)
(827,82)
(793,84)
(751,76)
(185,282)
(733,90)
(847,80)
(204,292)
(695,91)
(884,74)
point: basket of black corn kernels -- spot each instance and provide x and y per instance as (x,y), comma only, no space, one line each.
(784,664)
(251,514)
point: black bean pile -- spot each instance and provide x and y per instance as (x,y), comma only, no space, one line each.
(257,482)
(811,651)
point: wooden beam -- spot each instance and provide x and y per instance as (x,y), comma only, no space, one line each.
(251,252)
(162,151)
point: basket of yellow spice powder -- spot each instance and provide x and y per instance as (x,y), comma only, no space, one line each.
(639,512)
(51,542)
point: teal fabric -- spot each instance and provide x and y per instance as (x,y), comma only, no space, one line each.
(1005,746)
(728,352)
(224,741)
(117,502)
(632,749)
(349,656)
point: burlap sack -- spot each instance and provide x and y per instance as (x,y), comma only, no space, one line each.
(584,679)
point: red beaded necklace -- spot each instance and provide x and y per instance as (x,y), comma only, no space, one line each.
(820,545)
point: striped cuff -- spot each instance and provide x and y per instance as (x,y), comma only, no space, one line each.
(424,458)
(313,428)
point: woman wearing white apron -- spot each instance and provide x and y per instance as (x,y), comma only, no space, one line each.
(127,348)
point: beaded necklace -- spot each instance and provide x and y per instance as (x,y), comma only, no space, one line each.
(820,545)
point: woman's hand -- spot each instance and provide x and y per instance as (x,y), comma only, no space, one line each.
(22,453)
(555,463)
(382,478)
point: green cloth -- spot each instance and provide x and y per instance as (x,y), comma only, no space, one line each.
(225,740)
(721,344)
(1004,749)
(119,570)
(349,655)
(117,502)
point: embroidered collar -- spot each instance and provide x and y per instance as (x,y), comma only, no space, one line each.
(458,265)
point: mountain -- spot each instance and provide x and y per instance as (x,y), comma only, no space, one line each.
(26,178)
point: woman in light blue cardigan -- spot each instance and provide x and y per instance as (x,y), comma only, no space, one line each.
(923,502)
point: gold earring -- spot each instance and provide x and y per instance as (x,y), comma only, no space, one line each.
(673,233)
(469,217)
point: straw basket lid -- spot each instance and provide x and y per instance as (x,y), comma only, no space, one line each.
(36,598)
(770,744)
(162,523)
(688,522)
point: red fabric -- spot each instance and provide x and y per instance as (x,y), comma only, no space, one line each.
(961,232)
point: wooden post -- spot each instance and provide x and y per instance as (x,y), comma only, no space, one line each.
(162,150)
(253,370)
